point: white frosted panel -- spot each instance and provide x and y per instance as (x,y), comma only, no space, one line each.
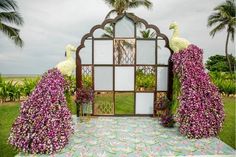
(124,28)
(103,78)
(144,103)
(86,52)
(124,78)
(103,50)
(145,52)
(162,78)
(163,53)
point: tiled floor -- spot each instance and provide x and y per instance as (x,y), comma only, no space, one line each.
(136,136)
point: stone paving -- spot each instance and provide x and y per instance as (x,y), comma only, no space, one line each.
(135,137)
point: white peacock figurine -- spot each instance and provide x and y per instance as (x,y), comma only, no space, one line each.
(67,67)
(176,43)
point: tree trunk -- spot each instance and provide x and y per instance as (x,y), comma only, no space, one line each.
(226,52)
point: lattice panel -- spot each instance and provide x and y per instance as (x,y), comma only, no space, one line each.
(87,76)
(105,108)
(87,70)
(124,51)
(103,104)
(147,69)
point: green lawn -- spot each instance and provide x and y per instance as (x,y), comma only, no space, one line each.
(124,103)
(228,133)
(9,111)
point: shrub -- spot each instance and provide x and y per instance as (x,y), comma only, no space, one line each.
(224,81)
(219,63)
(29,85)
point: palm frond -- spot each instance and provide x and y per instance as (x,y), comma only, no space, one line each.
(111,3)
(12,33)
(218,28)
(11,17)
(223,16)
(137,3)
(8,5)
(108,32)
(213,19)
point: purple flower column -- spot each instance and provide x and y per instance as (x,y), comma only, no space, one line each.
(201,112)
(44,124)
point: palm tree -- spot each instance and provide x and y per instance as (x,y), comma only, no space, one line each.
(224,17)
(8,16)
(120,6)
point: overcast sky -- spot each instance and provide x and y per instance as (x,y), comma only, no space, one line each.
(51,24)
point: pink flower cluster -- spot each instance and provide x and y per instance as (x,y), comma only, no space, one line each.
(201,112)
(45,123)
(84,95)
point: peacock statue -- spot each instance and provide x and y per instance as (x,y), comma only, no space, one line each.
(176,43)
(44,125)
(200,113)
(67,67)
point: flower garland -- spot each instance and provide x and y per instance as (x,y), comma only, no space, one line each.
(201,112)
(45,123)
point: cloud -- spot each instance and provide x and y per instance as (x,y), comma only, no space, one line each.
(51,24)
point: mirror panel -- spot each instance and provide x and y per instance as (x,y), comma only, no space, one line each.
(146,52)
(103,78)
(162,78)
(86,52)
(163,54)
(124,78)
(144,103)
(124,28)
(107,32)
(103,51)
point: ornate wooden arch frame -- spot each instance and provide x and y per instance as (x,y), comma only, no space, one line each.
(135,20)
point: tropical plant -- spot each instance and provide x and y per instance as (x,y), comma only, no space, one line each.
(13,90)
(87,81)
(224,17)
(120,6)
(224,81)
(3,90)
(28,86)
(145,81)
(9,16)
(146,34)
(219,63)
(9,90)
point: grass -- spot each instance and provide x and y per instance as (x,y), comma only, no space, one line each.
(228,133)
(124,103)
(9,111)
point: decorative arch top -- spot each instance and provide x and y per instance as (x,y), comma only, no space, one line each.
(135,19)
